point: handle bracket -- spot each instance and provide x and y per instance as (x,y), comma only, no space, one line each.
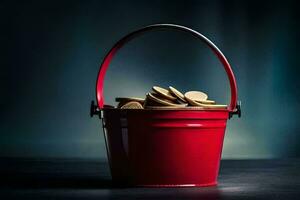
(94,110)
(237,110)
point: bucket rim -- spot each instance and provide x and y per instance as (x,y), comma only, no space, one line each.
(166,114)
(166,108)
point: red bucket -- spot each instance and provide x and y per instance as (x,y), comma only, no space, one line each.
(164,148)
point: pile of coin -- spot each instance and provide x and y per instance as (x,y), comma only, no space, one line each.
(171,98)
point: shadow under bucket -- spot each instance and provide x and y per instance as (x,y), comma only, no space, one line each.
(168,147)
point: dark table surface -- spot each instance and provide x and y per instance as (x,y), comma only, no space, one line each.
(89,179)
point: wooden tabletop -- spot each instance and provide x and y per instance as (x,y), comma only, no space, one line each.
(22,178)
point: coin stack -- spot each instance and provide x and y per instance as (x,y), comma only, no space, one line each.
(171,98)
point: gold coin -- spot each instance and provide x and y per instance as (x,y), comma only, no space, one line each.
(132,105)
(195,96)
(123,100)
(207,101)
(122,104)
(174,108)
(195,103)
(192,102)
(162,108)
(152,97)
(176,93)
(150,102)
(127,99)
(162,98)
(164,93)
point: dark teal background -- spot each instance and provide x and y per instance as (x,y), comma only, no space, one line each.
(51,51)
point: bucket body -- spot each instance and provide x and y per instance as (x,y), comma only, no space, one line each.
(165,148)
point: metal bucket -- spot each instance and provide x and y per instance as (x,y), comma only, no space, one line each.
(164,148)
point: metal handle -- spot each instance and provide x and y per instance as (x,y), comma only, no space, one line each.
(100,81)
